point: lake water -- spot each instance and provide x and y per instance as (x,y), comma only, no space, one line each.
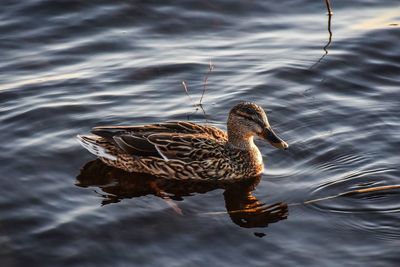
(331,92)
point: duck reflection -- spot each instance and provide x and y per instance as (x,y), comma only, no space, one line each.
(243,208)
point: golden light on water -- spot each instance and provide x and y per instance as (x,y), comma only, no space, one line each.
(381,19)
(40,80)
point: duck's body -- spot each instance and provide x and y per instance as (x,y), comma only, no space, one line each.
(185,150)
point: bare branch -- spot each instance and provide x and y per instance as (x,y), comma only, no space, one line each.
(210,69)
(186,90)
(328,6)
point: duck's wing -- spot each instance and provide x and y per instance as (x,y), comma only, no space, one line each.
(178,127)
(183,141)
(186,147)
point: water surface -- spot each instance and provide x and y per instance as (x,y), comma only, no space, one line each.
(66,66)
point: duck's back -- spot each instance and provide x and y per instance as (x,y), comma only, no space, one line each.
(179,150)
(184,141)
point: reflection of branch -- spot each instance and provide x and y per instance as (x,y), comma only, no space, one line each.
(204,112)
(330,34)
(328,6)
(330,13)
(349,193)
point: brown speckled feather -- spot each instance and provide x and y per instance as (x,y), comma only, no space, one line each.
(171,140)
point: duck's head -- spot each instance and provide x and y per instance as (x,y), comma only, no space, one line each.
(247,120)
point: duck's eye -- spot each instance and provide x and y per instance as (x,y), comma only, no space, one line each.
(245,116)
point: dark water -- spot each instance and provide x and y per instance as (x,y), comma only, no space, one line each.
(66,66)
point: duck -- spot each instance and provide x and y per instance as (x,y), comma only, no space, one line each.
(186,150)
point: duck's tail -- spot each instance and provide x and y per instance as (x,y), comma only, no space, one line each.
(93,144)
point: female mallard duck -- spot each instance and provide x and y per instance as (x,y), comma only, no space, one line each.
(185,150)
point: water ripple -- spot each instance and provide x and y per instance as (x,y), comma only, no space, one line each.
(66,66)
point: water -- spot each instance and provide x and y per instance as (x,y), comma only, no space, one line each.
(66,66)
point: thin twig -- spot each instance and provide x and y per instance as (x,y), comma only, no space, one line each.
(200,105)
(197,106)
(328,6)
(330,35)
(186,90)
(210,68)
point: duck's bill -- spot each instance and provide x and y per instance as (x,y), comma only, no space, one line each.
(274,140)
